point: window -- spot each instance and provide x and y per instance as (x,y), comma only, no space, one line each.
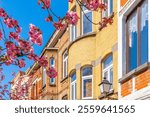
(65,64)
(109,11)
(108,69)
(73,30)
(52,64)
(87,83)
(73,87)
(86,24)
(44,77)
(137,37)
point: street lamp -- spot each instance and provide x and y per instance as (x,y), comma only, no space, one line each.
(105,86)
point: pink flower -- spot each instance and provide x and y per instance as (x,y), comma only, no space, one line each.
(24,45)
(21,63)
(71,1)
(92,4)
(1,35)
(72,18)
(59,25)
(43,62)
(9,62)
(11,23)
(46,3)
(51,72)
(14,35)
(3,13)
(18,29)
(35,35)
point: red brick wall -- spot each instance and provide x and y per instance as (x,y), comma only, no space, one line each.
(126,88)
(142,80)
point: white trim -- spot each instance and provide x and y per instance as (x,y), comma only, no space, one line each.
(87,78)
(65,60)
(74,83)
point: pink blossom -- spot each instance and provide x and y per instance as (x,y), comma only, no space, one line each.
(21,63)
(35,35)
(8,62)
(71,1)
(3,13)
(24,45)
(92,4)
(51,72)
(11,23)
(1,35)
(59,25)
(46,3)
(43,62)
(72,18)
(14,35)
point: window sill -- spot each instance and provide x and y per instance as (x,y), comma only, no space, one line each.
(64,79)
(52,85)
(134,72)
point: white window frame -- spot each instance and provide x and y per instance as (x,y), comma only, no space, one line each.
(54,62)
(74,83)
(107,69)
(65,59)
(87,78)
(52,83)
(74,36)
(107,11)
(43,77)
(85,12)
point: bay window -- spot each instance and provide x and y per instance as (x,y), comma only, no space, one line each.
(137,37)
(87,77)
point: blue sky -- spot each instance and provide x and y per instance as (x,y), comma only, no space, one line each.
(26,12)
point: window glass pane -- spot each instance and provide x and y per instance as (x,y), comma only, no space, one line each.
(144,33)
(87,85)
(132,31)
(52,80)
(87,71)
(105,12)
(73,77)
(108,61)
(111,7)
(87,25)
(52,62)
(106,74)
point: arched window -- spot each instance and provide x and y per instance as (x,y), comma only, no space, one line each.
(73,86)
(87,76)
(108,69)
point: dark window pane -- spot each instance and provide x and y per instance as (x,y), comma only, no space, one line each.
(87,71)
(87,25)
(73,77)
